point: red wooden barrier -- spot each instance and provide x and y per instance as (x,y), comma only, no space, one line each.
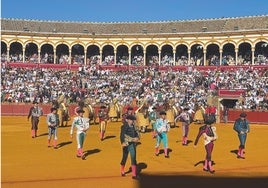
(252,116)
(230,93)
(11,109)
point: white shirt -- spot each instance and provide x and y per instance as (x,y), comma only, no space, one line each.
(81,124)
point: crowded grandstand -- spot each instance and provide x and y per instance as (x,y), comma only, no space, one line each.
(186,62)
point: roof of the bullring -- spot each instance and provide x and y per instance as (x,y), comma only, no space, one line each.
(248,23)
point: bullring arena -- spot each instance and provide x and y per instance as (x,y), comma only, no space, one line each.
(28,162)
(225,46)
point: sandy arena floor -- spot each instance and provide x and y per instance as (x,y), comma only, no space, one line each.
(28,162)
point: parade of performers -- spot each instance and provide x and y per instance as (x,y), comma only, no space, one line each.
(129,136)
(103,118)
(209,135)
(53,124)
(34,113)
(163,86)
(161,127)
(82,125)
(130,132)
(241,126)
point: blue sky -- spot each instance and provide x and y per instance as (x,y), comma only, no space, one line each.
(130,11)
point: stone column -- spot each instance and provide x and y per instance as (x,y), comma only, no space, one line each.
(236,55)
(100,57)
(85,57)
(174,57)
(54,56)
(144,57)
(115,62)
(221,56)
(252,55)
(205,58)
(129,57)
(23,54)
(39,57)
(70,56)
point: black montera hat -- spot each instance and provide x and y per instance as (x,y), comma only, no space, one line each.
(186,108)
(129,108)
(52,109)
(163,113)
(80,111)
(131,117)
(209,120)
(243,114)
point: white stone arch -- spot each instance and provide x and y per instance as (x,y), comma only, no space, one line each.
(93,44)
(151,43)
(5,41)
(62,42)
(212,42)
(218,52)
(201,58)
(47,42)
(180,42)
(197,42)
(228,42)
(31,41)
(121,44)
(117,45)
(241,41)
(102,50)
(137,43)
(77,42)
(166,43)
(107,44)
(173,53)
(261,39)
(16,40)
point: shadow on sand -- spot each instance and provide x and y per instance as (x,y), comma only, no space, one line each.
(89,152)
(174,181)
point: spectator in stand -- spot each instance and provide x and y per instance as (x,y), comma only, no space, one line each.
(24,85)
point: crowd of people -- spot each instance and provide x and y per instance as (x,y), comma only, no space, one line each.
(186,88)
